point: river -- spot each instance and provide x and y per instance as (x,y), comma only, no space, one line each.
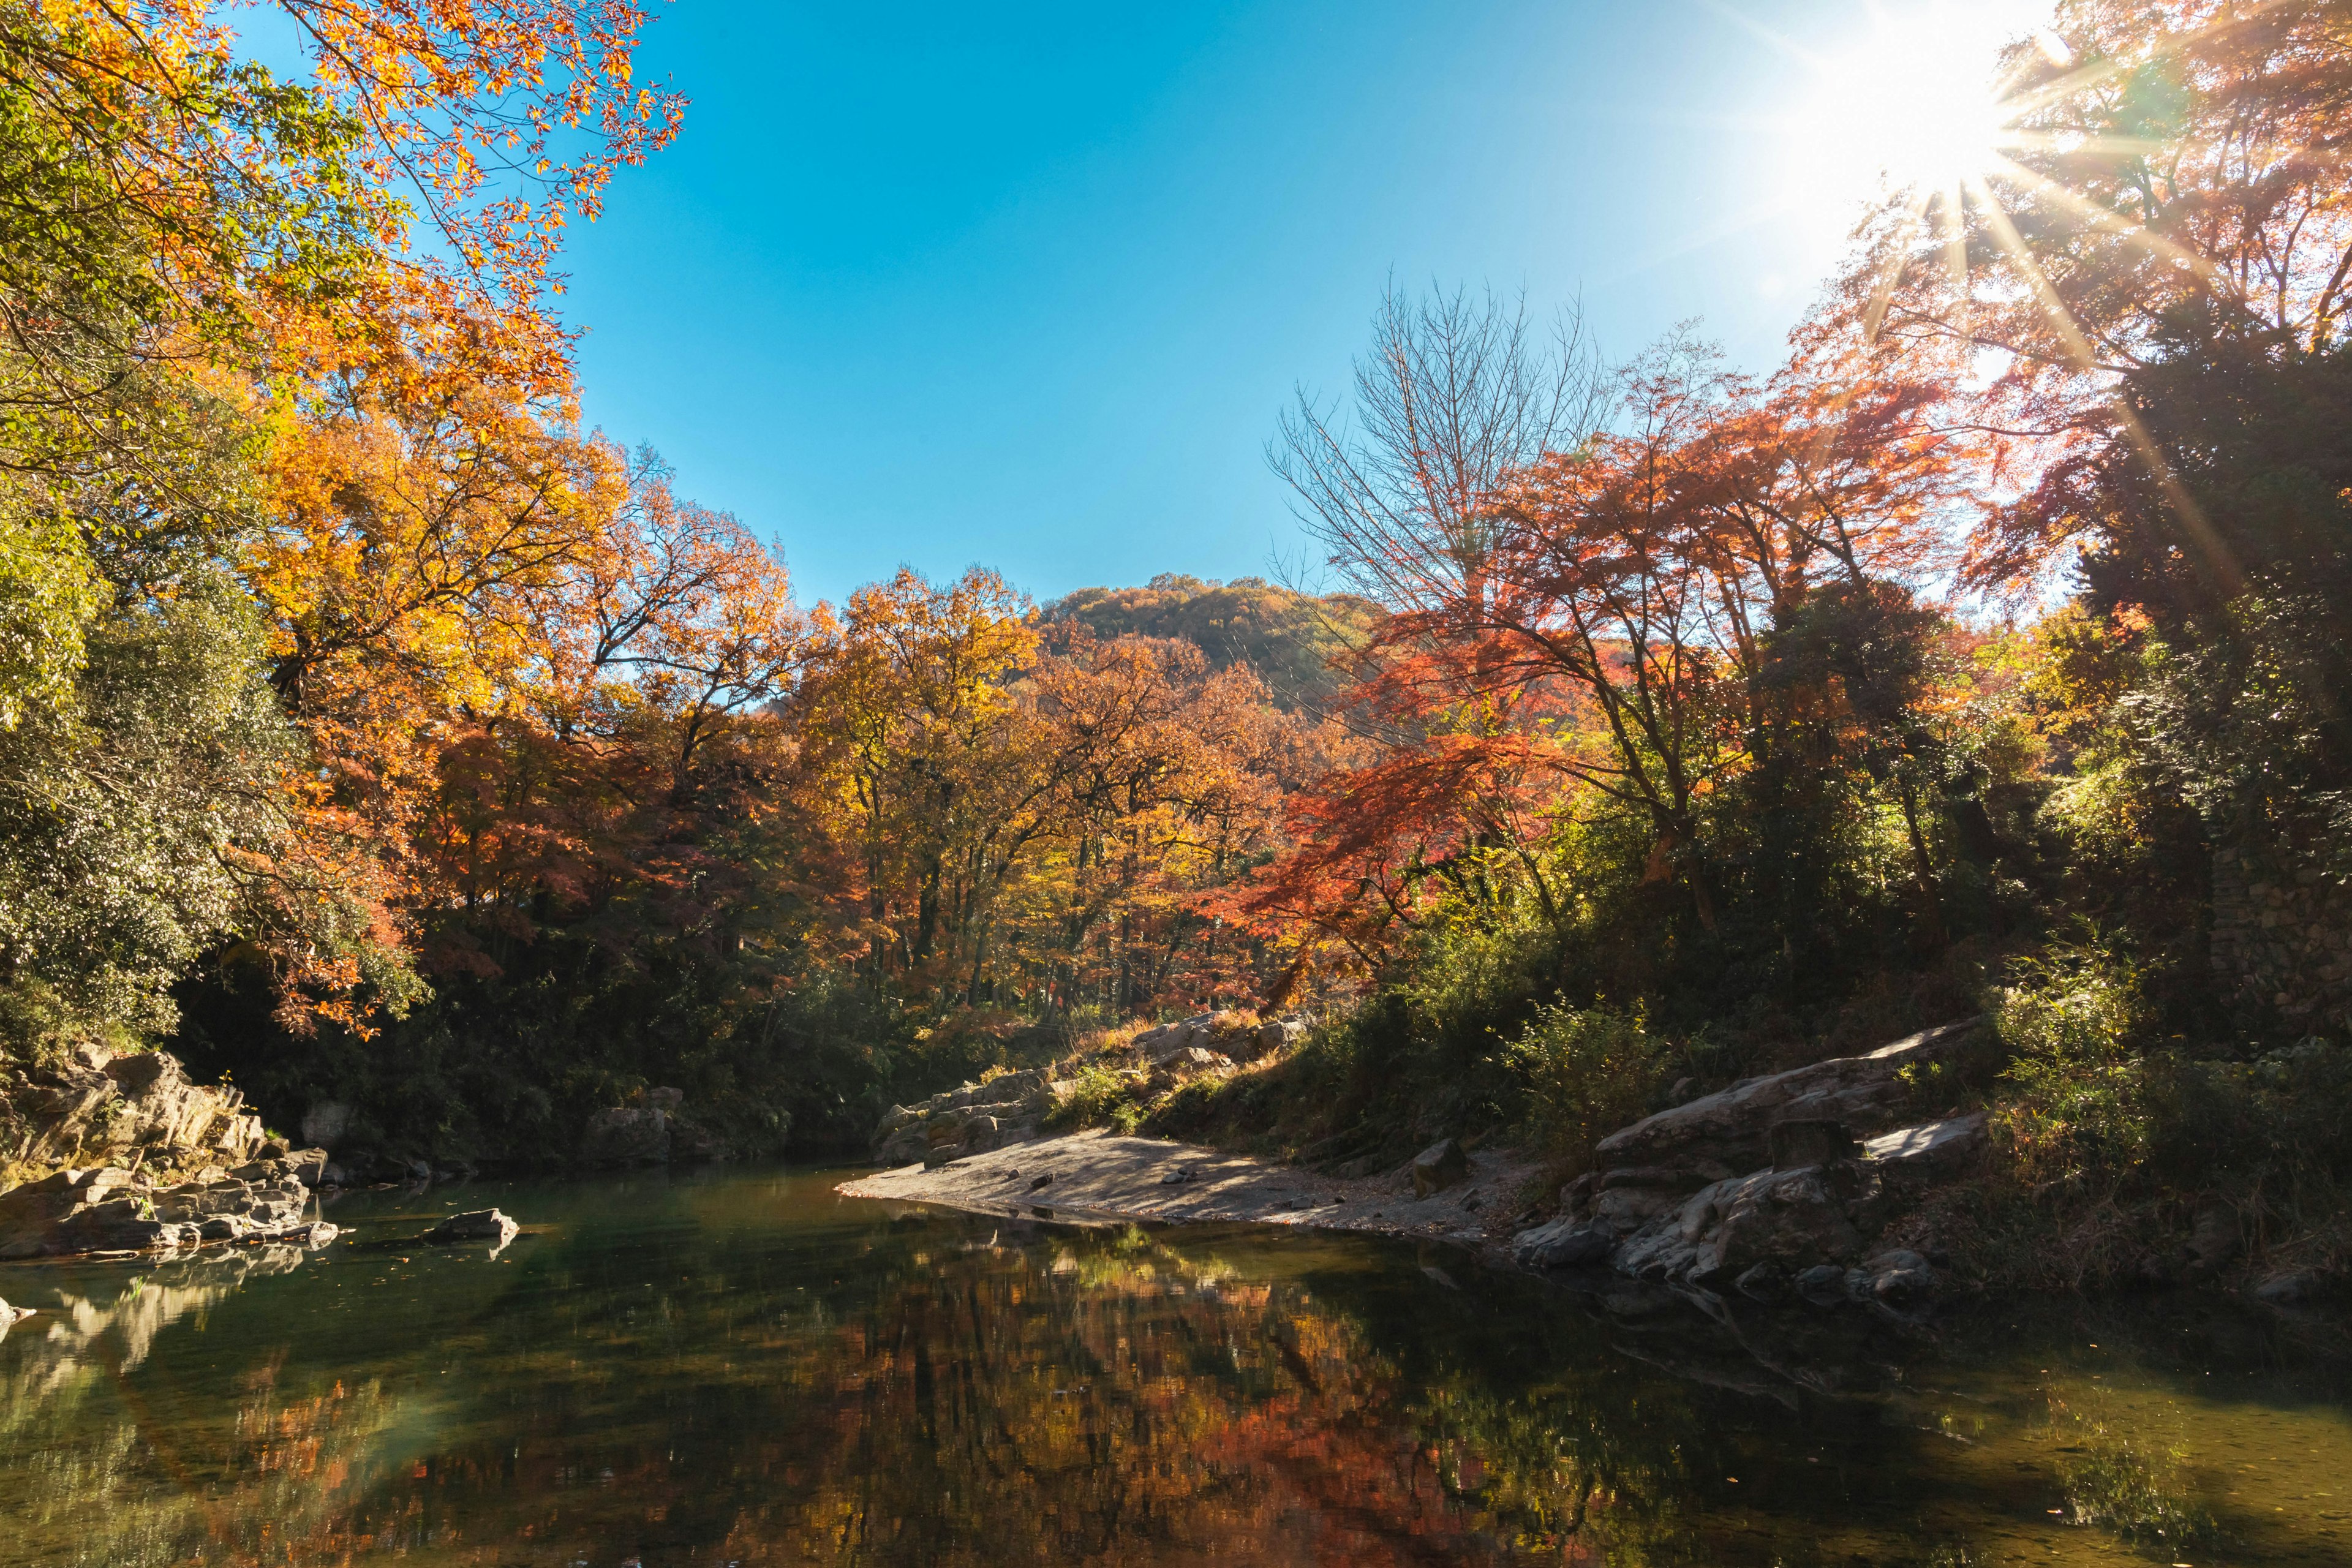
(740,1367)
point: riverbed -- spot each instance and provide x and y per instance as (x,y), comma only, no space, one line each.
(741,1367)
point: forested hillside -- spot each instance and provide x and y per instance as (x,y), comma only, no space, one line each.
(371,732)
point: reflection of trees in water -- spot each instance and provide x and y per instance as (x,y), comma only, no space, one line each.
(929,1393)
(90,1474)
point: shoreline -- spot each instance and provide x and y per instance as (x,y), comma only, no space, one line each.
(1099,1176)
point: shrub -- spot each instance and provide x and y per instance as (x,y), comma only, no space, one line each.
(1099,1097)
(2075,1020)
(1587,1072)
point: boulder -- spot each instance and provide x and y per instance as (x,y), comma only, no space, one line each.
(477,1225)
(1795,1142)
(1900,1279)
(1563,1244)
(1823,1285)
(1156,1046)
(2216,1239)
(1930,1149)
(308,1166)
(2298,1287)
(665,1100)
(1732,1127)
(1788,1219)
(1441,1165)
(1189,1063)
(625,1135)
(324,1125)
(1277,1035)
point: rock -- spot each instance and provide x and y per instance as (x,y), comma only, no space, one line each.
(273,1149)
(1563,1244)
(1795,1142)
(1823,1285)
(1763,1283)
(1732,1127)
(308,1166)
(324,1125)
(1900,1278)
(665,1100)
(1627,1209)
(1441,1165)
(625,1135)
(1929,1148)
(1789,1218)
(2215,1240)
(477,1225)
(2294,1290)
(1187,1063)
(1278,1035)
(1658,1177)
(97,1109)
(1156,1046)
(1044,1181)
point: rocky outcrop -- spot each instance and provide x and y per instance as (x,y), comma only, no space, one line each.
(1725,1134)
(135,1111)
(1222,1035)
(108,1209)
(657,1132)
(626,1135)
(969,1119)
(1773,1189)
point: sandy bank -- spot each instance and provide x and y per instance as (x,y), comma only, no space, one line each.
(1099,1175)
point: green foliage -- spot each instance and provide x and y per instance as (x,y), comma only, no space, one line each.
(2113,1480)
(1098,1097)
(124,810)
(1589,1071)
(2077,1023)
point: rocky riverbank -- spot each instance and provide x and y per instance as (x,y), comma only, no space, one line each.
(1802,1187)
(111,1210)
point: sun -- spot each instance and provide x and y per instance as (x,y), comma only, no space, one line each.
(1909,104)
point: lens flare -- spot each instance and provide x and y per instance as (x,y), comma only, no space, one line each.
(1908,104)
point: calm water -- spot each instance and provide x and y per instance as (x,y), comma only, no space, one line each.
(744,1369)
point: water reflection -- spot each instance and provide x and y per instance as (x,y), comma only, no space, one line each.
(746,1370)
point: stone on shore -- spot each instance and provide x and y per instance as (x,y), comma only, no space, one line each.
(477,1225)
(1441,1165)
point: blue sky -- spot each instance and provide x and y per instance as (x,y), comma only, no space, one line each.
(1028,285)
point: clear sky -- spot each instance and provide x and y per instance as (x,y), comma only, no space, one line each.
(1029,284)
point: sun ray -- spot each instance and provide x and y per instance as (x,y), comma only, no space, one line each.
(2101,218)
(2070,334)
